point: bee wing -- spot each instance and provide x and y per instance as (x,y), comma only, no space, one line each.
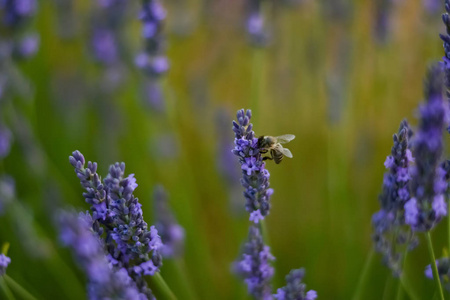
(286,138)
(286,152)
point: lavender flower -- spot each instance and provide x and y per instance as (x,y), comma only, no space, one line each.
(151,60)
(255,24)
(432,6)
(105,282)
(254,265)
(295,288)
(255,178)
(118,213)
(5,141)
(443,266)
(108,21)
(4,262)
(428,207)
(172,234)
(16,14)
(391,236)
(446,39)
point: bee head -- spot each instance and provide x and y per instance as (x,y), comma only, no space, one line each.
(266,141)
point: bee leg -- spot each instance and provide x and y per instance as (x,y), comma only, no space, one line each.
(267,158)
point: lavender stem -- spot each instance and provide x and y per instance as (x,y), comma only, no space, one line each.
(5,248)
(370,260)
(6,289)
(20,291)
(434,266)
(159,287)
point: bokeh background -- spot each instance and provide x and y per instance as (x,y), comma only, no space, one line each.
(340,75)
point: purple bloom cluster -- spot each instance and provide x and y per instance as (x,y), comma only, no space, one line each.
(15,15)
(254,265)
(5,141)
(255,177)
(446,39)
(105,39)
(4,262)
(105,281)
(152,60)
(443,266)
(432,6)
(172,234)
(255,24)
(295,289)
(428,178)
(391,235)
(118,214)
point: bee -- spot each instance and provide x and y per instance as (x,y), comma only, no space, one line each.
(273,145)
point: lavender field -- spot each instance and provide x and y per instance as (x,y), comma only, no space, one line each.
(145,149)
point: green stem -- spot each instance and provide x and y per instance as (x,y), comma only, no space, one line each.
(185,282)
(6,289)
(159,287)
(359,291)
(434,266)
(22,292)
(448,224)
(408,289)
(387,288)
(399,291)
(5,248)
(265,232)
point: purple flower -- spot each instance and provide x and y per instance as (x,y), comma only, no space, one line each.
(118,214)
(443,266)
(250,165)
(172,234)
(403,175)
(389,162)
(4,262)
(391,236)
(432,6)
(429,271)
(295,289)
(254,265)
(411,212)
(104,281)
(428,179)
(439,206)
(255,216)
(5,141)
(152,60)
(255,24)
(255,177)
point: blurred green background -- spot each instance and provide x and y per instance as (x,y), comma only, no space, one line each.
(325,77)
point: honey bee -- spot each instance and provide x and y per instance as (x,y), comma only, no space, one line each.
(273,145)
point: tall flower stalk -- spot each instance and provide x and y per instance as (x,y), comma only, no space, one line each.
(152,59)
(392,236)
(427,206)
(254,264)
(255,177)
(103,281)
(117,217)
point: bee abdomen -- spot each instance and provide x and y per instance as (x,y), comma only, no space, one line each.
(277,156)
